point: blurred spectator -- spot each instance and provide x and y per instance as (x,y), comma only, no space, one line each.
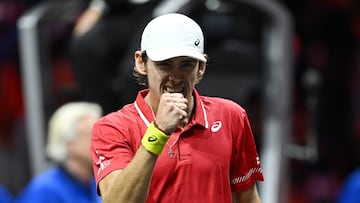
(5,195)
(350,192)
(10,10)
(102,39)
(71,179)
(328,44)
(10,94)
(13,170)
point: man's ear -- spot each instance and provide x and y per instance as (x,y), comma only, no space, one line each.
(200,72)
(139,63)
(202,68)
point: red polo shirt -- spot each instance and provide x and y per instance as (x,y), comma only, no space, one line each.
(214,155)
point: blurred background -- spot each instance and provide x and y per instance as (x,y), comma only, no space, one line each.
(54,51)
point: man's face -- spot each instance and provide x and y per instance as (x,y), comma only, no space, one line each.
(175,75)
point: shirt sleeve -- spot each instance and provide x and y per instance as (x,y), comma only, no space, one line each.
(111,148)
(246,162)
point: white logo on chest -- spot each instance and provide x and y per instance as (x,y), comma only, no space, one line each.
(216,126)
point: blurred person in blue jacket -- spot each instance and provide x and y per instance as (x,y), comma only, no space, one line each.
(71,179)
(350,191)
(5,195)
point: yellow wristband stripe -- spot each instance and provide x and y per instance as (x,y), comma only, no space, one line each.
(154,139)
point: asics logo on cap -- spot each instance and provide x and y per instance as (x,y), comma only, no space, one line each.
(197,42)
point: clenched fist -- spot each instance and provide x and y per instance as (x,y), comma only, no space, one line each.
(172,112)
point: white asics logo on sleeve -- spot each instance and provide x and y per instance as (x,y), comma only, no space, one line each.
(102,163)
(216,126)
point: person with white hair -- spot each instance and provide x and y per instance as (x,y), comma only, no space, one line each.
(68,145)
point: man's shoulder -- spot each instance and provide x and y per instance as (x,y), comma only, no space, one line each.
(125,111)
(116,120)
(221,103)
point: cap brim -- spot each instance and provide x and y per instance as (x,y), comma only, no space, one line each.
(161,55)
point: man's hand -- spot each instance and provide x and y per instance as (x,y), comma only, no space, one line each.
(172,112)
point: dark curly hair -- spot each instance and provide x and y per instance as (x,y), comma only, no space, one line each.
(140,78)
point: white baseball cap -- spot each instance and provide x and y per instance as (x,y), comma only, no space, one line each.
(172,35)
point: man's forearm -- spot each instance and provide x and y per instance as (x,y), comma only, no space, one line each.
(132,183)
